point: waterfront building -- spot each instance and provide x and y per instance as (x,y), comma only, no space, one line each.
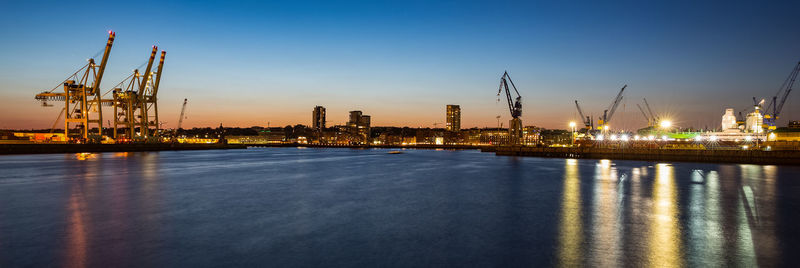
(453,118)
(359,125)
(318,118)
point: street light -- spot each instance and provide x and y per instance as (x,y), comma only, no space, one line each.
(666,124)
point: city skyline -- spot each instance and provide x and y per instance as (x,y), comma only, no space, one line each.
(247,64)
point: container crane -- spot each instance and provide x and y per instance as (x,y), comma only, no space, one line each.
(587,120)
(609,113)
(776,104)
(82,95)
(514,107)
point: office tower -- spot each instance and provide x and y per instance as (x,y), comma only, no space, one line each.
(453,118)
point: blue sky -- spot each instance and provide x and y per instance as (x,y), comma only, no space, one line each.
(249,63)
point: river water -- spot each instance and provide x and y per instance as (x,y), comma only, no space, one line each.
(294,207)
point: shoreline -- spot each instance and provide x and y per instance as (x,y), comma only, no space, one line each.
(43,148)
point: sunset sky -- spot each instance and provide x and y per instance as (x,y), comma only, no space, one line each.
(250,63)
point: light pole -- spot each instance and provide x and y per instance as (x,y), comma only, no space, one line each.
(572,126)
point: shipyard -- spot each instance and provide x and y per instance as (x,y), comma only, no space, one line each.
(132,123)
(399,134)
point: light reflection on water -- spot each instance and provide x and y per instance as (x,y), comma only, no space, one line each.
(733,226)
(341,207)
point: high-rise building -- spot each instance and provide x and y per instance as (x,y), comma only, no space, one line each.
(355,118)
(359,124)
(453,118)
(318,118)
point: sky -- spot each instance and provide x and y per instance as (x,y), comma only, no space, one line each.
(259,63)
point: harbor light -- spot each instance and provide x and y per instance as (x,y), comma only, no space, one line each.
(651,137)
(748,138)
(624,137)
(664,138)
(599,137)
(698,138)
(666,124)
(613,137)
(636,137)
(713,138)
(572,124)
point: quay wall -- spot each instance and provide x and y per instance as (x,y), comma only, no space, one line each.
(44,148)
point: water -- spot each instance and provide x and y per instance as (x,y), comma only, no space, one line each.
(343,207)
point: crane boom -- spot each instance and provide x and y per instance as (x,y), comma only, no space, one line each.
(586,120)
(652,115)
(146,73)
(158,73)
(645,114)
(786,88)
(514,106)
(609,113)
(183,109)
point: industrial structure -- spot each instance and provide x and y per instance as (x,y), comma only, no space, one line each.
(514,107)
(135,108)
(777,101)
(588,123)
(183,111)
(453,117)
(81,97)
(608,113)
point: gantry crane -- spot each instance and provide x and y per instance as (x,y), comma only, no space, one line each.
(776,104)
(587,120)
(132,106)
(514,107)
(149,100)
(609,112)
(81,97)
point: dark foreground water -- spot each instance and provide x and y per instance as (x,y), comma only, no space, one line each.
(341,207)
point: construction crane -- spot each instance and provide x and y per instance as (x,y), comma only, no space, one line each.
(180,120)
(609,112)
(655,120)
(776,104)
(587,120)
(649,120)
(81,96)
(514,107)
